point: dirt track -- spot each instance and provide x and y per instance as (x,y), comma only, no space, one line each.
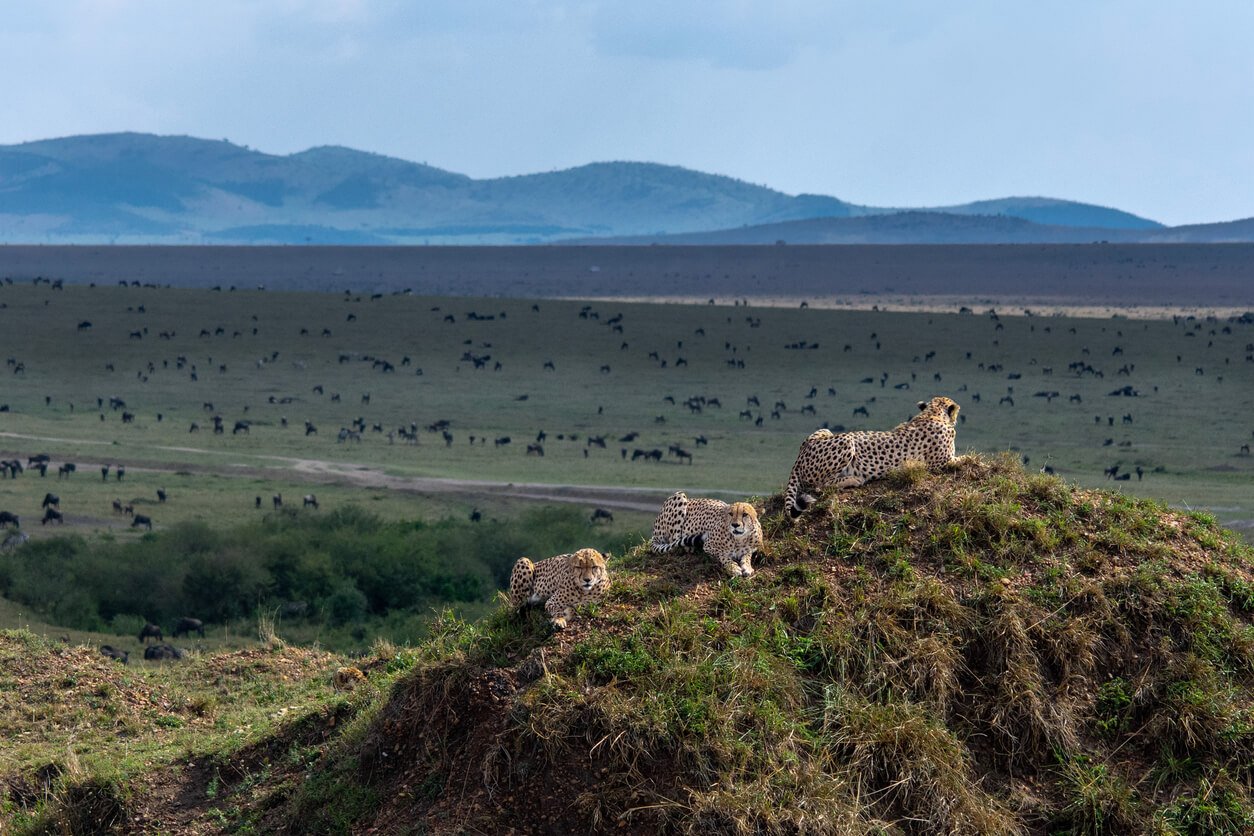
(319,471)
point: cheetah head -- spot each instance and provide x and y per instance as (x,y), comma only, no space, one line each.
(742,519)
(588,567)
(942,408)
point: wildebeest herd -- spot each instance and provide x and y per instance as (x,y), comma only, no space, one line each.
(605,393)
(50,510)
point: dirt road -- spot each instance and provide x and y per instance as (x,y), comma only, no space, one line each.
(319,471)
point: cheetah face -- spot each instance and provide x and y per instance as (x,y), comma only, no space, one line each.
(742,519)
(588,567)
(942,408)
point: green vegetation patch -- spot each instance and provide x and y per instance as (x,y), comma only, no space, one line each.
(347,570)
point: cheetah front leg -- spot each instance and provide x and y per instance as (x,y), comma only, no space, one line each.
(559,612)
(737,564)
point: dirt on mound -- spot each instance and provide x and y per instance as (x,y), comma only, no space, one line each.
(979,650)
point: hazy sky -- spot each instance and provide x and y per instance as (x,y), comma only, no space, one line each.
(1140,104)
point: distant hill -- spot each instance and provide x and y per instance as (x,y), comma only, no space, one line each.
(909,227)
(936,227)
(1043,210)
(140,188)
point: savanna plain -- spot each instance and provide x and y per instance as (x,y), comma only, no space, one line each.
(343,479)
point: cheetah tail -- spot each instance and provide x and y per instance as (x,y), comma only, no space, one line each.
(794,500)
(696,542)
(661,545)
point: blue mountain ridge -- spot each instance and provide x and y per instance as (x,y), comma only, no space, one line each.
(142,188)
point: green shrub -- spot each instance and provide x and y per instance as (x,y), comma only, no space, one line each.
(348,565)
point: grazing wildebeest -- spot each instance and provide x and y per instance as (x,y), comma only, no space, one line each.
(309,500)
(66,469)
(475,515)
(112,652)
(187,626)
(277,499)
(257,502)
(161,495)
(240,427)
(42,458)
(602,514)
(117,506)
(52,515)
(535,449)
(120,472)
(9,518)
(142,520)
(50,499)
(150,631)
(158,652)
(104,472)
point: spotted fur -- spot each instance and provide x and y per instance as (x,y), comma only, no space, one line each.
(561,583)
(728,533)
(847,460)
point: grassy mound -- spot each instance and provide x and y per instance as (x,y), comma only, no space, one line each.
(979,650)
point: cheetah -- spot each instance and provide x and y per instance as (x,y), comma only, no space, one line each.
(347,678)
(561,583)
(847,460)
(728,533)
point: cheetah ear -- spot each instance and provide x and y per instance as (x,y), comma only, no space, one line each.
(952,409)
(922,405)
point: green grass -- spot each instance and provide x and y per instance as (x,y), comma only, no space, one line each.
(80,728)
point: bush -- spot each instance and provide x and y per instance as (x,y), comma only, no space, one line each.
(349,565)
